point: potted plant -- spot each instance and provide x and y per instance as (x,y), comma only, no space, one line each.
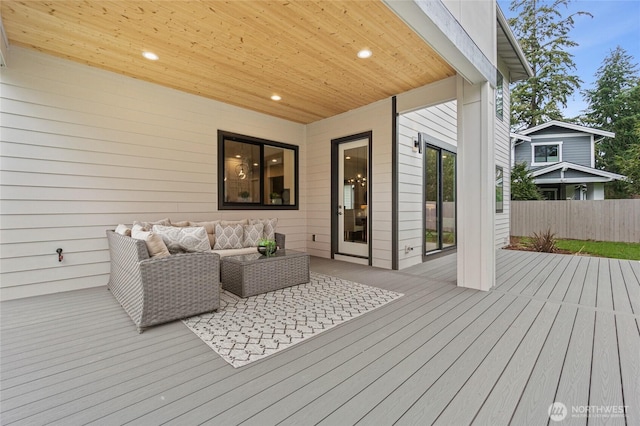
(275,198)
(267,246)
(244,195)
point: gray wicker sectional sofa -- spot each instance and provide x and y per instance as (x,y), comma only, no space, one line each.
(158,290)
(156,282)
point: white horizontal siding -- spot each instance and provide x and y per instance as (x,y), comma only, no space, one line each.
(503,159)
(376,118)
(83,150)
(439,122)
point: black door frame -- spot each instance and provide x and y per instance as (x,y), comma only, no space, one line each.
(335,164)
(427,254)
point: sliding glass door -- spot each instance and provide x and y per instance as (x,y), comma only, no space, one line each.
(440,199)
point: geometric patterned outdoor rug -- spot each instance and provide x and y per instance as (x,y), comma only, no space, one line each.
(246,330)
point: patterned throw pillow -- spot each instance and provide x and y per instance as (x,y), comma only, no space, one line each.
(253,234)
(147,226)
(211,230)
(189,239)
(229,237)
(269,227)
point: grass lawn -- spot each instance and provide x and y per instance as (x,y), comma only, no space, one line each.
(629,251)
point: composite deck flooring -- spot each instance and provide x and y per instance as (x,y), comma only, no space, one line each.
(555,328)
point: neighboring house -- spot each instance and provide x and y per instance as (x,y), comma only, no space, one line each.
(380,160)
(561,158)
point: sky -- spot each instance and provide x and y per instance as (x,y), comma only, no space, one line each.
(614,23)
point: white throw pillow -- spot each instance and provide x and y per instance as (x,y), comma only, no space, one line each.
(123,230)
(189,239)
(253,234)
(229,237)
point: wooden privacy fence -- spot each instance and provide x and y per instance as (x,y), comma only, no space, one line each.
(601,220)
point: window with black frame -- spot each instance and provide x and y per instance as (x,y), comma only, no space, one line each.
(256,173)
(499,96)
(499,189)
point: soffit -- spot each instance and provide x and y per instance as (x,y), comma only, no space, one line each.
(239,52)
(510,51)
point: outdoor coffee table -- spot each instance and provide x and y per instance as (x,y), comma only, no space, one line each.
(251,274)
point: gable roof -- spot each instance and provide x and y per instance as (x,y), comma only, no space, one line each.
(598,175)
(570,126)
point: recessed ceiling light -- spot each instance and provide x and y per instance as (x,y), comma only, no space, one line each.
(275,160)
(364,54)
(238,156)
(347,158)
(150,56)
(275,98)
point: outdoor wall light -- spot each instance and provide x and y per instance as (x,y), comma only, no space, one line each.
(417,144)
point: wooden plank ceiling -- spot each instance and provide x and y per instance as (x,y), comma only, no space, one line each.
(239,52)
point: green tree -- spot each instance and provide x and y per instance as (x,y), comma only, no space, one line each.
(543,34)
(522,186)
(630,167)
(614,105)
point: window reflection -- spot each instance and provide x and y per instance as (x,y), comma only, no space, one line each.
(256,173)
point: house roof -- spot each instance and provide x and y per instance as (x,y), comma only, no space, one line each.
(518,136)
(570,126)
(596,174)
(243,52)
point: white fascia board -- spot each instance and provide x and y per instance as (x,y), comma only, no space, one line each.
(571,126)
(434,23)
(540,181)
(603,174)
(518,136)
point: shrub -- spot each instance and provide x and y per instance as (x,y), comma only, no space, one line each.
(544,242)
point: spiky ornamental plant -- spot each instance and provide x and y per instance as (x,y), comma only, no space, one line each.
(543,34)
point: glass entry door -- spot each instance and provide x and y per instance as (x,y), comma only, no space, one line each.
(353,189)
(440,199)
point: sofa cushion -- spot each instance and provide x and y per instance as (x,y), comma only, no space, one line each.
(253,234)
(229,237)
(269,227)
(235,252)
(154,242)
(146,226)
(182,224)
(189,239)
(234,222)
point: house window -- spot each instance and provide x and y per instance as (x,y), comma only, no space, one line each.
(440,199)
(256,173)
(546,153)
(499,96)
(499,189)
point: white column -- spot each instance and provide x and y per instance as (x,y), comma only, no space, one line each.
(476,186)
(595,191)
